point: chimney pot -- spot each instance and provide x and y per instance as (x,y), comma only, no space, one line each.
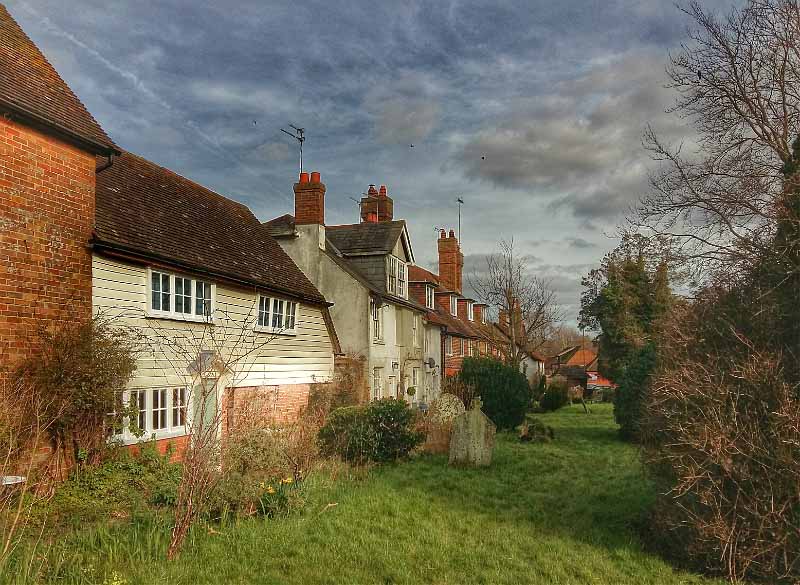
(304,177)
(383,191)
(442,234)
(315,178)
(372,191)
(452,234)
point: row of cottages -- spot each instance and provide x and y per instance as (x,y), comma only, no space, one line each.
(363,269)
(466,328)
(216,306)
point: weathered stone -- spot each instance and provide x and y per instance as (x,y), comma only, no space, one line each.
(472,438)
(446,408)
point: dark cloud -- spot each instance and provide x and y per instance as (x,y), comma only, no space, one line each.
(530,110)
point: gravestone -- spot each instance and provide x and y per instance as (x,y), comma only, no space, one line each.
(472,438)
(439,422)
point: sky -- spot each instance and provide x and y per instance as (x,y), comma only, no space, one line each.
(531,111)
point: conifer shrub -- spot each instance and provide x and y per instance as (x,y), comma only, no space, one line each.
(503,389)
(556,396)
(381,431)
(632,392)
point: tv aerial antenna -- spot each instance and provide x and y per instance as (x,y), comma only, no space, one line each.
(299,134)
(460,202)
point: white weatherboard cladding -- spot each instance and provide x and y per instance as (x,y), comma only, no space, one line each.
(119,292)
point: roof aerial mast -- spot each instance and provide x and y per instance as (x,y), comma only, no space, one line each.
(460,202)
(299,134)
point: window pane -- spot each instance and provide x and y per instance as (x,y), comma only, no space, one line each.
(277,313)
(178,407)
(165,296)
(183,295)
(155,285)
(263,311)
(291,310)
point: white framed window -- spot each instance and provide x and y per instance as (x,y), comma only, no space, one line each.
(448,345)
(160,412)
(470,311)
(377,383)
(396,281)
(276,315)
(415,330)
(424,342)
(377,321)
(429,296)
(173,296)
(454,305)
(483,316)
(415,377)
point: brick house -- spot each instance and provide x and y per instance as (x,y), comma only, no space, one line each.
(364,270)
(86,228)
(49,144)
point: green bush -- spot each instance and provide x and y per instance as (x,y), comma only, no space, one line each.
(503,389)
(632,392)
(380,431)
(556,396)
(124,484)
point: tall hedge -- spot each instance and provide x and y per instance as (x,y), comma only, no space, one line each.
(503,389)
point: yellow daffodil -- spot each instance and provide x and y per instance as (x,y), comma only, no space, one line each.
(270,490)
(287,480)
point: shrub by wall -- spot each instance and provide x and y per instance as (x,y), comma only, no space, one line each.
(503,389)
(383,430)
(632,391)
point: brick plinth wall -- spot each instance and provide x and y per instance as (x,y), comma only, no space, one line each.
(273,404)
(47,198)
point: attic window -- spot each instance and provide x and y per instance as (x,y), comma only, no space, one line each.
(395,276)
(483,316)
(454,305)
(429,296)
(470,311)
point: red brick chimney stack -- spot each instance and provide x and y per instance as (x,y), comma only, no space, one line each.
(377,206)
(451,261)
(309,200)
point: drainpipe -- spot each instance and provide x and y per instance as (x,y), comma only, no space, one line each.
(105,165)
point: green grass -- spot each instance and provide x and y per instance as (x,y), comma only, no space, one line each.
(554,513)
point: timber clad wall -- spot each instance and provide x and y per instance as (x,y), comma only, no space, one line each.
(46,218)
(261,359)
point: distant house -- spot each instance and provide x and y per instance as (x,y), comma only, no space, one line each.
(364,270)
(85,228)
(579,365)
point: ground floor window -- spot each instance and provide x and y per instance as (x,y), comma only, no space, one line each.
(160,412)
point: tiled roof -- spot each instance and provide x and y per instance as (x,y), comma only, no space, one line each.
(147,210)
(366,237)
(582,357)
(31,87)
(418,274)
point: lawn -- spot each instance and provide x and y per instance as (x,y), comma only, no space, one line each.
(554,513)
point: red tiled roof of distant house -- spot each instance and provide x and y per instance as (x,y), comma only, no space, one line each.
(582,357)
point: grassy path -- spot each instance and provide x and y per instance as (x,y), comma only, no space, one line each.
(559,513)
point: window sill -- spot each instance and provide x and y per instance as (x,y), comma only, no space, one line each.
(272,331)
(378,342)
(128,440)
(179,317)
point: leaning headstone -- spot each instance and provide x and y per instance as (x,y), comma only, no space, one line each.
(439,422)
(472,439)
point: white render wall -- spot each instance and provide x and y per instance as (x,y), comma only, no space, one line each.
(167,346)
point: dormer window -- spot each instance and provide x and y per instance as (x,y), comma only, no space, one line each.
(454,305)
(483,316)
(429,296)
(396,276)
(470,311)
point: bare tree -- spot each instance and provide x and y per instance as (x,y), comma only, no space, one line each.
(737,83)
(527,301)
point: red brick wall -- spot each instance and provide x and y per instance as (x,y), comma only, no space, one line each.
(278,404)
(47,202)
(451,261)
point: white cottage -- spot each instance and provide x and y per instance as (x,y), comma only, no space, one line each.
(363,269)
(211,298)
